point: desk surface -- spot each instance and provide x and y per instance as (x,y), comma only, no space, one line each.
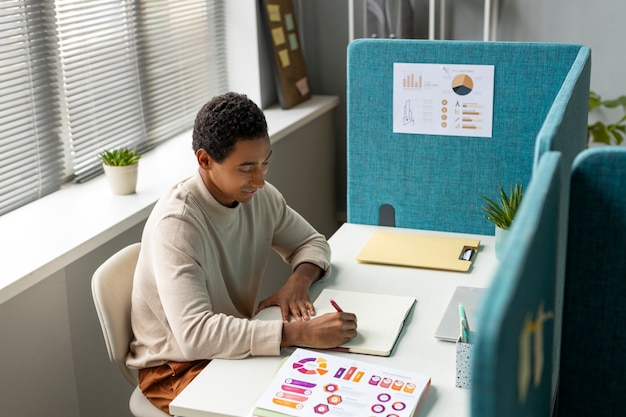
(230,387)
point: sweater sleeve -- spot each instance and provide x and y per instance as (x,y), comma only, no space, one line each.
(296,241)
(197,331)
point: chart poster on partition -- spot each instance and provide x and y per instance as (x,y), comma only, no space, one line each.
(442,99)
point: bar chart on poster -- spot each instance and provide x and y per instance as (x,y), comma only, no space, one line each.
(441,99)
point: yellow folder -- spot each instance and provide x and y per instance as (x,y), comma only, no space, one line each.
(421,251)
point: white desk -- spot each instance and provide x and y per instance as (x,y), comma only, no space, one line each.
(230,387)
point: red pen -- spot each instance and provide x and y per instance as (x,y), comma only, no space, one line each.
(334,304)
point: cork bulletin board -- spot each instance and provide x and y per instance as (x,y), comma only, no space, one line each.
(289,69)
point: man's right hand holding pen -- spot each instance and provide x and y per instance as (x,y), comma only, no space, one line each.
(327,331)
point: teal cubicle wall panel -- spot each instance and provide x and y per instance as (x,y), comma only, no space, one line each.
(593,370)
(435,182)
(513,357)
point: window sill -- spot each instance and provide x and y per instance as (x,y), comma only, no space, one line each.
(45,236)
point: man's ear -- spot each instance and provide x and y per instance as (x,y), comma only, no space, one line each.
(204,160)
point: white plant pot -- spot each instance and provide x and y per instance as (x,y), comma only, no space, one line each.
(501,241)
(122,179)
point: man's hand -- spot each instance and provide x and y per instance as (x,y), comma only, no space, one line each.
(326,331)
(293,297)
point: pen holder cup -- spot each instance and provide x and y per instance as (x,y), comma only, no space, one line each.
(463,364)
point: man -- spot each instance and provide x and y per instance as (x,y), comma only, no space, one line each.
(204,249)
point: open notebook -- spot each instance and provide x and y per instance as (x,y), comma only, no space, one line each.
(380,318)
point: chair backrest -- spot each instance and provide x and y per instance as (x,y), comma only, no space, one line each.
(513,356)
(593,370)
(434,182)
(111,287)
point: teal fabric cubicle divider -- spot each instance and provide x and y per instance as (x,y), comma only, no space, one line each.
(564,130)
(593,364)
(435,182)
(513,356)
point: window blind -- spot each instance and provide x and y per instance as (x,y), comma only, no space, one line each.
(85,76)
(182,62)
(102,95)
(31,151)
(135,73)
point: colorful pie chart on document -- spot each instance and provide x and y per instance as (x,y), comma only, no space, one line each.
(462,84)
(311,366)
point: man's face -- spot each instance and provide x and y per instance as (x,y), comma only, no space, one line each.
(240,174)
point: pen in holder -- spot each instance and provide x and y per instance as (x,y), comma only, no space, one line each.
(464,348)
(463,363)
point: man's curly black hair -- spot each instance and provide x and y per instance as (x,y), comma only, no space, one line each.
(223,121)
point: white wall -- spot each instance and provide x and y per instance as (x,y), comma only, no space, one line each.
(597,24)
(326,37)
(36,353)
(53,361)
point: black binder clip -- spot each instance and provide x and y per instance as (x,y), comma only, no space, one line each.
(467,253)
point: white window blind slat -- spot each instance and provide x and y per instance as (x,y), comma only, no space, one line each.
(21,166)
(32,152)
(20,133)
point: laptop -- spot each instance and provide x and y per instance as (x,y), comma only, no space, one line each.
(449,326)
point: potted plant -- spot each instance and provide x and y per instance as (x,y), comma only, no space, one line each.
(121,168)
(501,212)
(611,133)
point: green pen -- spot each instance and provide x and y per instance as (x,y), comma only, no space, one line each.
(466,332)
(466,335)
(462,314)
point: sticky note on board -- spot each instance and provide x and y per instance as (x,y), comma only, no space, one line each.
(289,25)
(278,35)
(273,12)
(303,86)
(293,41)
(283,55)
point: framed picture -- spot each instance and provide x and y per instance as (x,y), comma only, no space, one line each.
(289,69)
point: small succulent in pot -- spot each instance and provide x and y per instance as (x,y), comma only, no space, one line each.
(502,210)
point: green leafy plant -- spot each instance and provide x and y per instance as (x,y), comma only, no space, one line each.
(120,157)
(600,132)
(502,210)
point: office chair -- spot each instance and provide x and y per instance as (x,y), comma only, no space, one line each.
(111,288)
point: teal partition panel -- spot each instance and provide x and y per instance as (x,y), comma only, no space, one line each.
(435,182)
(512,366)
(593,368)
(561,131)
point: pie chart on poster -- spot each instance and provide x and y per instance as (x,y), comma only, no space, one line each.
(311,366)
(462,84)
